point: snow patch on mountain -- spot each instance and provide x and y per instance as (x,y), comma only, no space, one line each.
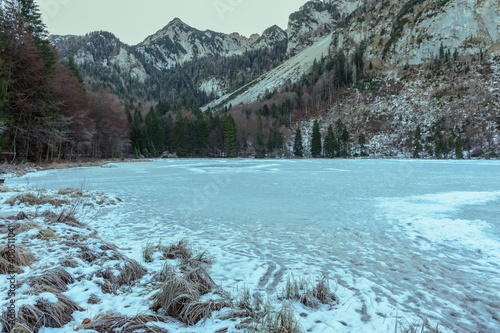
(128,63)
(290,71)
(213,86)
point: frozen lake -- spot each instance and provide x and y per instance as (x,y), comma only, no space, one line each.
(420,236)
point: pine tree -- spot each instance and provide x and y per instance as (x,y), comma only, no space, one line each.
(330,143)
(316,145)
(71,65)
(459,153)
(260,145)
(275,141)
(230,136)
(298,147)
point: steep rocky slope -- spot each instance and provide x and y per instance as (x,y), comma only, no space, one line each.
(412,32)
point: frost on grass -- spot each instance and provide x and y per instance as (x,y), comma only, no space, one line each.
(309,293)
(112,322)
(182,287)
(44,313)
(22,258)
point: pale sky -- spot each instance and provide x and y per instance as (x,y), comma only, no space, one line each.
(133,20)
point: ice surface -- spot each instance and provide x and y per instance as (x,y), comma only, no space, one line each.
(413,238)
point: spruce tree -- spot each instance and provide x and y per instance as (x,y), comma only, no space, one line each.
(316,145)
(71,65)
(330,143)
(230,136)
(298,147)
(260,146)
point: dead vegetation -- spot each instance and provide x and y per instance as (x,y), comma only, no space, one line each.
(182,287)
(19,255)
(30,199)
(309,293)
(111,322)
(130,272)
(31,318)
(70,191)
(57,278)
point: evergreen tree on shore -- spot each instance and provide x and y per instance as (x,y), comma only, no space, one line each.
(330,143)
(298,147)
(316,145)
(260,145)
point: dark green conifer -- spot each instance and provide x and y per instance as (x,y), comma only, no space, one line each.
(298,147)
(316,145)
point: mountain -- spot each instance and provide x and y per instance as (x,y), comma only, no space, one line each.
(163,64)
(405,78)
(179,43)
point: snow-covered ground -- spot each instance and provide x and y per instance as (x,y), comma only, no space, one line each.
(399,239)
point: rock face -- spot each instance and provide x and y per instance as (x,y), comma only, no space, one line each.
(179,43)
(412,32)
(314,21)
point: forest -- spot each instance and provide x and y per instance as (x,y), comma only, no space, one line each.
(46,112)
(52,109)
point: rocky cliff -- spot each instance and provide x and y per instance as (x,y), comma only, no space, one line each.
(413,32)
(314,21)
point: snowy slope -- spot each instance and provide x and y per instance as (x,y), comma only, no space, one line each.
(291,71)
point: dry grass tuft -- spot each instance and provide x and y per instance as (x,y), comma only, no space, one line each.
(22,216)
(182,250)
(193,312)
(110,322)
(175,294)
(284,321)
(67,262)
(21,328)
(148,252)
(70,191)
(200,277)
(131,271)
(31,318)
(29,199)
(26,226)
(85,253)
(54,201)
(46,234)
(66,217)
(56,278)
(21,257)
(5,189)
(94,299)
(308,293)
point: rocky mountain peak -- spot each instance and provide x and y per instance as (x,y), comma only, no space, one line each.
(315,20)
